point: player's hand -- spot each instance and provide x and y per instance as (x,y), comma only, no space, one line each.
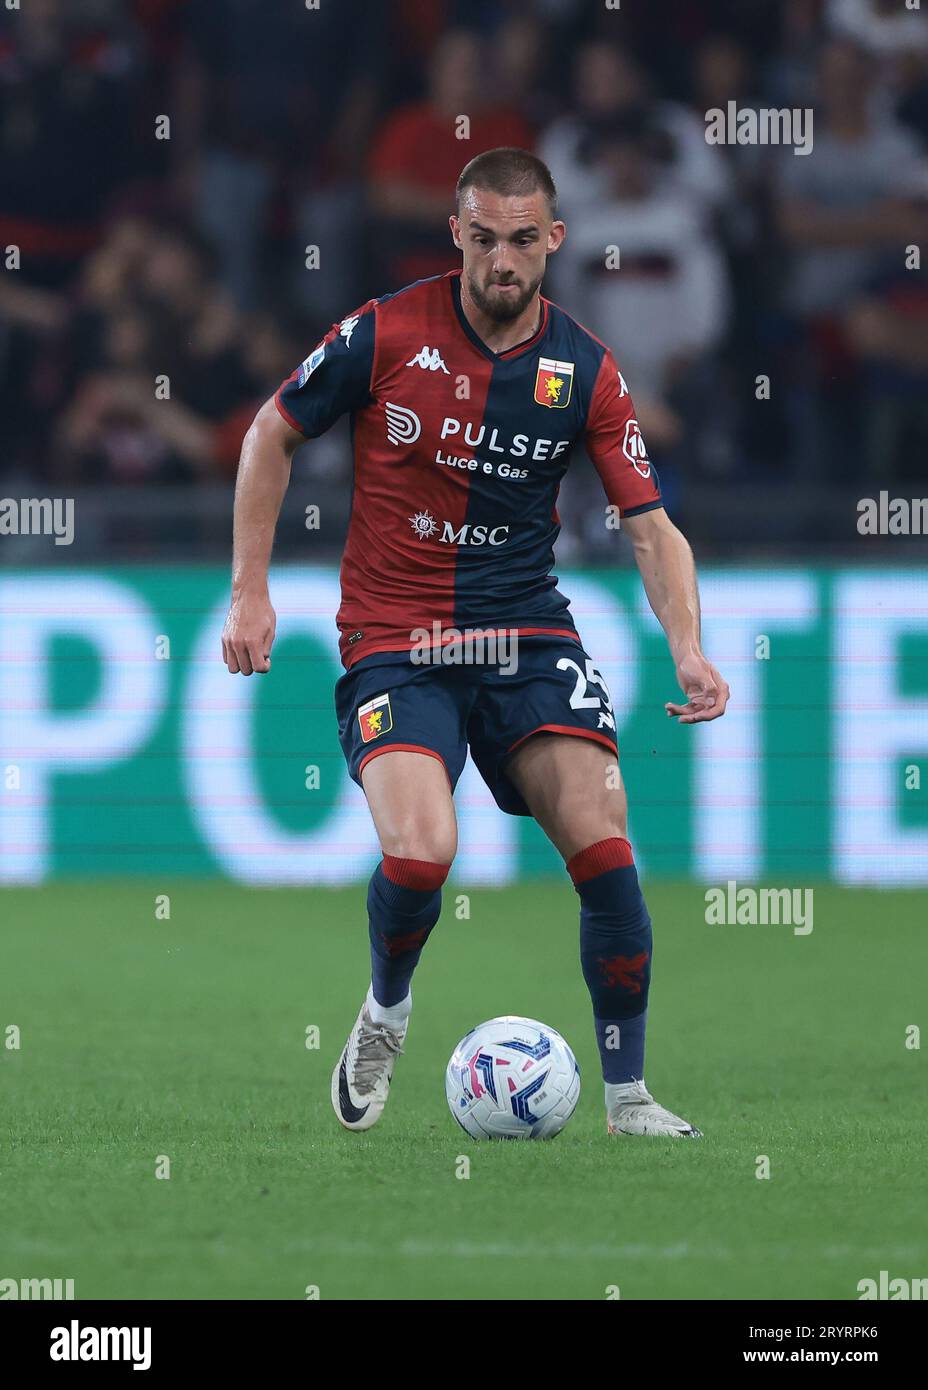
(706,692)
(248,635)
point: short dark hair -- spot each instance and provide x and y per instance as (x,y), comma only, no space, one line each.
(508,171)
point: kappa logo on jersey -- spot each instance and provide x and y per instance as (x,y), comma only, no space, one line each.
(347,327)
(623,389)
(403,426)
(429,359)
(309,366)
(375,718)
(553,383)
(634,450)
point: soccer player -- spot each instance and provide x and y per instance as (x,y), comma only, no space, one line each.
(467,393)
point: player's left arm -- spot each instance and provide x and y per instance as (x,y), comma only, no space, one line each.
(615,444)
(665,563)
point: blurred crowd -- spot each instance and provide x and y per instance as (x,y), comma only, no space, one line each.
(193,190)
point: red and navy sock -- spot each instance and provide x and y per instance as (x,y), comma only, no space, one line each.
(615,952)
(403,903)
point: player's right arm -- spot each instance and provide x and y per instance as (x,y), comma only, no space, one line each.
(263,476)
(333,381)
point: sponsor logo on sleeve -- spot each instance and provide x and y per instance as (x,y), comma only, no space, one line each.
(634,450)
(309,366)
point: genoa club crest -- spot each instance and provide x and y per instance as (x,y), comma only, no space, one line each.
(553,383)
(375,718)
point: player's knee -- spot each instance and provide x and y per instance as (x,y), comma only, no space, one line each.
(426,843)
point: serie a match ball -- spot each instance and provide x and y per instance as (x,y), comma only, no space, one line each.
(512,1078)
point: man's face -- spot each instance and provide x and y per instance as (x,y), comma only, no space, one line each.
(505,242)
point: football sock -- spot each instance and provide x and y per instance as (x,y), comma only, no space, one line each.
(615,953)
(394,1016)
(403,903)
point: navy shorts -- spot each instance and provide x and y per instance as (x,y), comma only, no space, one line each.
(387,701)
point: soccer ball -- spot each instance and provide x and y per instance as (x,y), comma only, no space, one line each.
(512,1078)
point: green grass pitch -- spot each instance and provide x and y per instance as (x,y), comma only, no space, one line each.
(187,1038)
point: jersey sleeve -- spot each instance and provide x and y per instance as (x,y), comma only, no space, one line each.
(335,379)
(614,443)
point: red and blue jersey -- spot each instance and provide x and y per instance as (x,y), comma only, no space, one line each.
(459,453)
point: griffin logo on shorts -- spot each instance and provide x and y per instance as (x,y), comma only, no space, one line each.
(375,718)
(553,382)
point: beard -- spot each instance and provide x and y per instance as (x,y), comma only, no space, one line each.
(505,308)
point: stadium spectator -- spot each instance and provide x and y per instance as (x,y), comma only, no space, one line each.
(844,209)
(156,337)
(420,152)
(882,27)
(607,84)
(284,100)
(846,214)
(65,127)
(639,269)
(911,94)
(888,330)
(789,67)
(519,51)
(721,72)
(66,89)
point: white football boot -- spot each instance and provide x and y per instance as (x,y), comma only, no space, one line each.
(361,1080)
(631,1109)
